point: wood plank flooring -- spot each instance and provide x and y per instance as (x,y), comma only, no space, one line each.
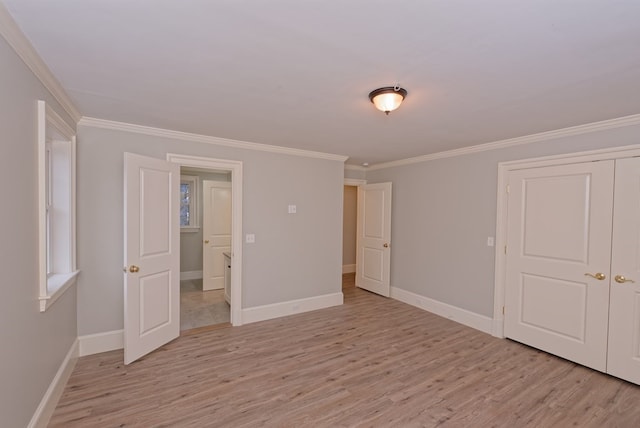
(371,362)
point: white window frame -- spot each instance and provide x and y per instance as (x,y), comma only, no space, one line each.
(56,206)
(194,201)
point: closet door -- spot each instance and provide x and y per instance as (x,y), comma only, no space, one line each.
(559,232)
(624,318)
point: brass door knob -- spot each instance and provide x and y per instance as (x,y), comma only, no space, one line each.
(206,241)
(134,269)
(621,279)
(385,245)
(599,276)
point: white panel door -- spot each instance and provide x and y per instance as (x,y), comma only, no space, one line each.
(374,238)
(216,232)
(624,316)
(151,254)
(559,230)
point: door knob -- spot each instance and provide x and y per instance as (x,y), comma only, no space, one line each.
(599,276)
(133,268)
(385,245)
(621,279)
(206,241)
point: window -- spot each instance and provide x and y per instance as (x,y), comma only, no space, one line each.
(189,203)
(56,183)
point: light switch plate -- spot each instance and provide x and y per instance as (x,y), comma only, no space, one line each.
(250,238)
(491,241)
(292,209)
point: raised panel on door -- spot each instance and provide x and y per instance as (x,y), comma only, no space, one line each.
(151,255)
(216,232)
(559,229)
(373,238)
(624,318)
(155,301)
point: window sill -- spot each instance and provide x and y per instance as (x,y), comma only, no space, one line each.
(57,284)
(189,229)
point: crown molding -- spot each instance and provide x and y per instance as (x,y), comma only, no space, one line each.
(199,138)
(10,31)
(511,142)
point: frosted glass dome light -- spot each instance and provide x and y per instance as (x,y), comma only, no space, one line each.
(387,99)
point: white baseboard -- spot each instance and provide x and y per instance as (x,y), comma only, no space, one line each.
(348,268)
(277,310)
(101,342)
(50,399)
(468,318)
(190,274)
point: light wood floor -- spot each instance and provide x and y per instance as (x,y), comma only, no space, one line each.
(370,362)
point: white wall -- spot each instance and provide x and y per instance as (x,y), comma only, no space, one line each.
(34,344)
(444,210)
(294,257)
(191,242)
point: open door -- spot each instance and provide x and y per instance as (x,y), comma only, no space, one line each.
(216,232)
(151,254)
(374,238)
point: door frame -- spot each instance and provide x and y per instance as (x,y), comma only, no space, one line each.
(504,168)
(236,220)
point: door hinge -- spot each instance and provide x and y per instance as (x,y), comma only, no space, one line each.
(503,310)
(505,249)
(508,188)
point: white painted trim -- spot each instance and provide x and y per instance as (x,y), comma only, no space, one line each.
(57,285)
(55,120)
(10,31)
(101,342)
(502,215)
(462,316)
(354,182)
(73,230)
(190,274)
(498,328)
(511,142)
(42,196)
(199,138)
(236,220)
(51,397)
(283,309)
(355,168)
(349,268)
(51,126)
(500,256)
(576,157)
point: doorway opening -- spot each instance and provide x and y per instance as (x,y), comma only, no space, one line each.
(210,282)
(205,247)
(349,231)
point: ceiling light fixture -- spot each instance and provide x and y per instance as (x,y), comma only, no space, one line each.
(387,99)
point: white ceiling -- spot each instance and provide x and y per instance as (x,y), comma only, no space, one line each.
(297,73)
